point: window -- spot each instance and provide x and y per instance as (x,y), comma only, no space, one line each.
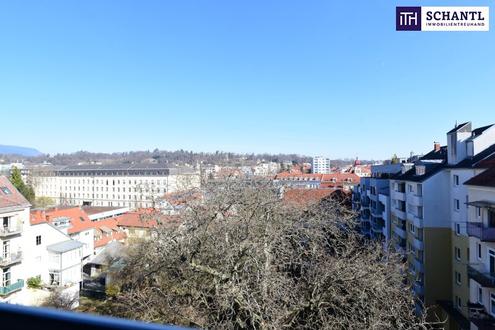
(457,205)
(458,278)
(492,304)
(479,251)
(54,278)
(457,228)
(419,190)
(38,240)
(6,277)
(457,253)
(458,302)
(480,295)
(478,212)
(456,180)
(6,190)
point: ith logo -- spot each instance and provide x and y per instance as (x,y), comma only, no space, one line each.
(408,19)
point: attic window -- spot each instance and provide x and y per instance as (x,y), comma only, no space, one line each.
(6,190)
(420,170)
(82,219)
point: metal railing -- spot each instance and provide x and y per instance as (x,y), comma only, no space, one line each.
(10,230)
(478,273)
(6,290)
(10,259)
(479,230)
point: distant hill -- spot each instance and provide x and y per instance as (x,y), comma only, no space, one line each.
(21,151)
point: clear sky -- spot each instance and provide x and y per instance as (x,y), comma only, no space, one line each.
(310,77)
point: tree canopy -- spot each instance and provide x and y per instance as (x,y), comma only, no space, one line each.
(243,259)
(26,190)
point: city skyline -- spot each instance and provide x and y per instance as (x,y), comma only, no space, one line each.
(261,77)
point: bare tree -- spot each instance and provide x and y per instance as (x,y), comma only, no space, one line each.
(61,299)
(243,259)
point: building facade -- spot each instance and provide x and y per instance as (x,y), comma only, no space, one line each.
(321,165)
(133,186)
(14,213)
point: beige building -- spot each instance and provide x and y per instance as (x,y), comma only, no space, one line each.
(119,185)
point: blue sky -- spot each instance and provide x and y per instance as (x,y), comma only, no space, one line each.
(309,77)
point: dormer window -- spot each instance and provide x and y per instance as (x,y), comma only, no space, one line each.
(420,170)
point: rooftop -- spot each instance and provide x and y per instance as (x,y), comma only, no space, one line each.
(485,179)
(66,246)
(9,196)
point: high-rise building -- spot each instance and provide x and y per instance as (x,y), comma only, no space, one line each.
(321,165)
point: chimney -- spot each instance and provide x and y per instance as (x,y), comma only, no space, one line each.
(436,146)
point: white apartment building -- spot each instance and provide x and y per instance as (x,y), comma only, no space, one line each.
(14,213)
(120,185)
(266,169)
(52,255)
(481,266)
(321,165)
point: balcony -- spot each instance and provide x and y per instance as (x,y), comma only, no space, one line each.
(418,265)
(418,221)
(399,213)
(478,273)
(419,289)
(417,243)
(414,200)
(398,195)
(377,228)
(11,259)
(6,290)
(401,232)
(479,230)
(11,230)
(377,213)
(480,317)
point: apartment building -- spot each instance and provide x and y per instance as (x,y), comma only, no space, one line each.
(371,200)
(14,213)
(481,252)
(120,185)
(321,165)
(421,226)
(55,258)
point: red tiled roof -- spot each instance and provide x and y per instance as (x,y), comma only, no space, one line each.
(302,176)
(107,239)
(136,219)
(341,178)
(9,196)
(306,197)
(79,221)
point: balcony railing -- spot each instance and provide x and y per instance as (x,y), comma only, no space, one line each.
(478,273)
(419,289)
(401,232)
(479,230)
(10,259)
(10,230)
(418,265)
(6,290)
(20,317)
(417,243)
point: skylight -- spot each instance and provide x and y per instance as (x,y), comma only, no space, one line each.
(6,190)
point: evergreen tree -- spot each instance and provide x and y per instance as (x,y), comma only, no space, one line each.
(26,190)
